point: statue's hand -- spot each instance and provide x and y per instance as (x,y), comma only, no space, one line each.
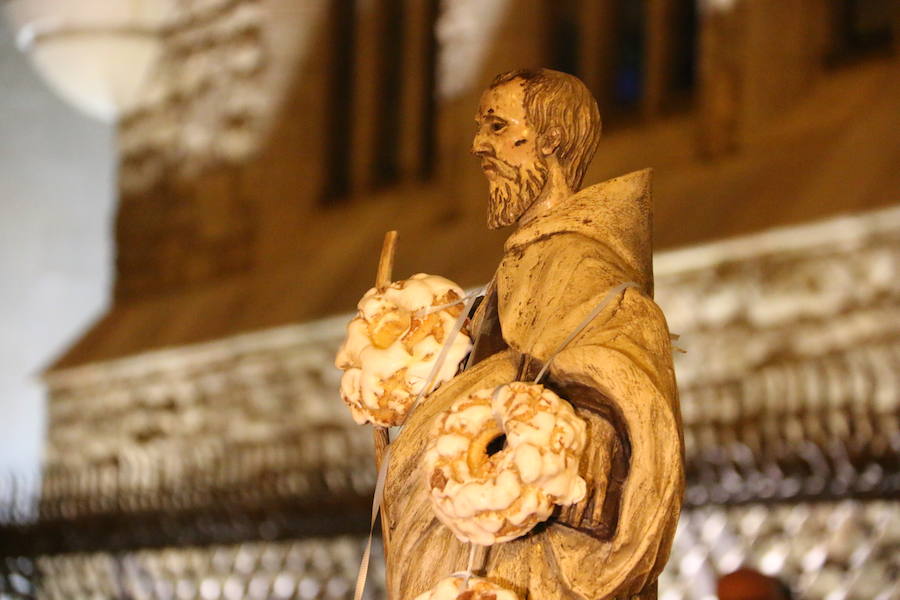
(604,465)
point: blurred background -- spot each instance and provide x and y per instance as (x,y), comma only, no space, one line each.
(192,199)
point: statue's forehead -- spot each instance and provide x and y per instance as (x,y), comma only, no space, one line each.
(505,100)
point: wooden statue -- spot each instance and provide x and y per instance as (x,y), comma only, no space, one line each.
(590,499)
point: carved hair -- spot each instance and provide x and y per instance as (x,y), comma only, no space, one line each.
(555,99)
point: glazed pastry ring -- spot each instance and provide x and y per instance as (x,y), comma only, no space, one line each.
(393,347)
(499,461)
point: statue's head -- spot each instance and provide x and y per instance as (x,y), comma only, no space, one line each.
(532,122)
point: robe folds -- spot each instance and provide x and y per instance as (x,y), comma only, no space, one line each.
(618,374)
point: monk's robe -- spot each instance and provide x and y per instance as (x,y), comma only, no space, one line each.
(617,373)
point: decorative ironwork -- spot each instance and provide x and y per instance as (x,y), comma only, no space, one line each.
(846,549)
(304,569)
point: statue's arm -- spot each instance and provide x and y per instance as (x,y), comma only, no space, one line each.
(604,463)
(623,370)
(618,371)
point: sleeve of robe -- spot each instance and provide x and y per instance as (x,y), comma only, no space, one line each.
(618,367)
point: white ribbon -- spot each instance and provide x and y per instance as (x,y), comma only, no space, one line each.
(448,341)
(433,309)
(471,563)
(376,506)
(584,323)
(382,472)
(467,574)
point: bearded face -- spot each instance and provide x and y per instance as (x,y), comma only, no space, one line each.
(506,143)
(513,190)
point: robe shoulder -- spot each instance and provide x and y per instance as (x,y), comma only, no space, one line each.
(548,288)
(616,214)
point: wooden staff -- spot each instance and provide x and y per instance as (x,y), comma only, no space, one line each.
(382,281)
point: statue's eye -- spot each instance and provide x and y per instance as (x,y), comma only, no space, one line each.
(497,126)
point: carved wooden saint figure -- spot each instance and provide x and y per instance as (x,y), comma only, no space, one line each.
(581,496)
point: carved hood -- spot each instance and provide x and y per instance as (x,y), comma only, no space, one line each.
(616,214)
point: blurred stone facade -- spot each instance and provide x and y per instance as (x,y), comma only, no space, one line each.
(787,334)
(351,118)
(846,548)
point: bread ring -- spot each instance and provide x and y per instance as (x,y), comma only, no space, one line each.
(487,492)
(393,343)
(454,588)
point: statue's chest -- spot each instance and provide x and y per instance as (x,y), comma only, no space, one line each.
(488,333)
(491,318)
(523,295)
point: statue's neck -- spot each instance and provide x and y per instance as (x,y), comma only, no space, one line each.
(555,192)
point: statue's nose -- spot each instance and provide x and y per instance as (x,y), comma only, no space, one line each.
(480,146)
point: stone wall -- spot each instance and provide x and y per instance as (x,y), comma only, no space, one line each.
(791,340)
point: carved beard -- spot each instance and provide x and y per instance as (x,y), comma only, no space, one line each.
(513,191)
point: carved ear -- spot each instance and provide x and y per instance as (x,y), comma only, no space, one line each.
(550,140)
